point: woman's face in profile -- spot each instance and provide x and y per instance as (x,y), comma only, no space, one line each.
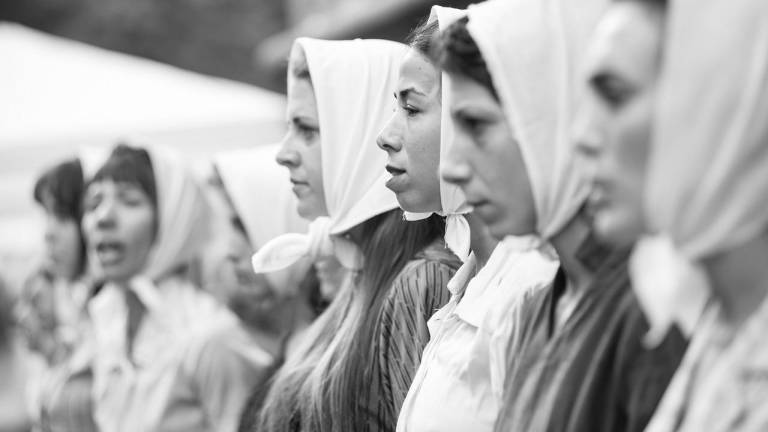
(486,162)
(613,127)
(300,151)
(119,227)
(411,138)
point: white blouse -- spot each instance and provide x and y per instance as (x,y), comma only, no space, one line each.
(192,367)
(459,384)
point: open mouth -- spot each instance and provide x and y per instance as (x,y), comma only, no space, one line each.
(110,252)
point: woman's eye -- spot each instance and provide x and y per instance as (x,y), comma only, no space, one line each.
(409,109)
(307,132)
(471,124)
(90,204)
(612,90)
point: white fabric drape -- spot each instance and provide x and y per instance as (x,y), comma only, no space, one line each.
(183,215)
(707,178)
(706,171)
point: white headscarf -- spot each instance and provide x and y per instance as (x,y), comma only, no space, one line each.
(183,215)
(260,191)
(454,203)
(352,81)
(707,176)
(183,212)
(708,170)
(261,194)
(533,50)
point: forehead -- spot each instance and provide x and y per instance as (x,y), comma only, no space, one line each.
(110,185)
(416,71)
(468,92)
(627,40)
(301,98)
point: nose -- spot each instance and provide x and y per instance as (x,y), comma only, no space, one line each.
(390,138)
(455,168)
(287,156)
(105,215)
(458,173)
(588,137)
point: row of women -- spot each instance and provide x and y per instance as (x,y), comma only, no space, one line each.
(555,224)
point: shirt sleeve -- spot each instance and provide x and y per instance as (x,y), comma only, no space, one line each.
(416,294)
(225,372)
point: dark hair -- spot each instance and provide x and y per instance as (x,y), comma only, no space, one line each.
(423,37)
(457,53)
(7,320)
(130,165)
(59,190)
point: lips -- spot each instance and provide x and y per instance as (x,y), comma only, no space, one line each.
(398,182)
(110,252)
(394,170)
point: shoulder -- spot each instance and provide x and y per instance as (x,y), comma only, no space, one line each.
(429,265)
(226,345)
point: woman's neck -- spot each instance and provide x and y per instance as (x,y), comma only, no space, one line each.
(481,242)
(567,242)
(739,279)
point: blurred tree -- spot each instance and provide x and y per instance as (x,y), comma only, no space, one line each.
(215,37)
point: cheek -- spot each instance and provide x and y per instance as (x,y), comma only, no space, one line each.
(423,152)
(633,137)
(140,230)
(312,160)
(70,238)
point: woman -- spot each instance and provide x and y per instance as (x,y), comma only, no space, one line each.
(360,355)
(706,187)
(61,301)
(66,403)
(160,362)
(613,134)
(576,361)
(257,206)
(461,377)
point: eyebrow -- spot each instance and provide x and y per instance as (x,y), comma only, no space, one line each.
(405,92)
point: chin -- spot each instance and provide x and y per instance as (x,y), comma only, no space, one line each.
(616,230)
(413,204)
(306,211)
(499,230)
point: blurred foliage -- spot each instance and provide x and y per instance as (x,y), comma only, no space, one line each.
(215,37)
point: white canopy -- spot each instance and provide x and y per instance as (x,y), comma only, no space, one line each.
(57,96)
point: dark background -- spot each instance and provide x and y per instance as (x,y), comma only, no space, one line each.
(244,40)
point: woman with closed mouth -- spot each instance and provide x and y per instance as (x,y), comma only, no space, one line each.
(66,403)
(612,133)
(459,383)
(576,360)
(361,353)
(257,205)
(160,361)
